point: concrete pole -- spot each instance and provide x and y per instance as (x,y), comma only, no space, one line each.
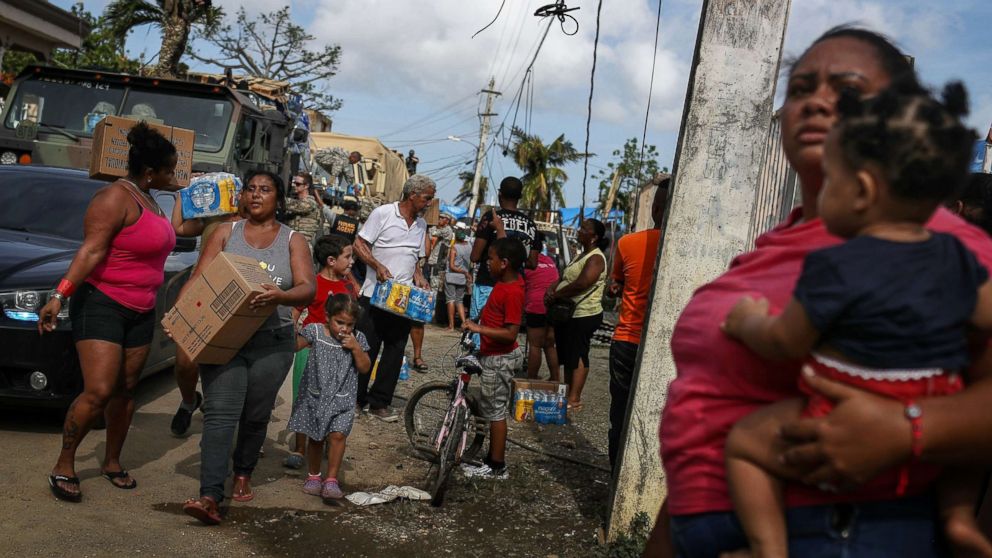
(727,114)
(480,154)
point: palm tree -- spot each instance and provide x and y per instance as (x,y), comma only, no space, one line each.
(465,192)
(543,177)
(174,17)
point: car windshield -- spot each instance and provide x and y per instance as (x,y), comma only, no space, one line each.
(209,118)
(53,203)
(66,104)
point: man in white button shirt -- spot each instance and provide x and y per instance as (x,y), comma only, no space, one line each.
(392,242)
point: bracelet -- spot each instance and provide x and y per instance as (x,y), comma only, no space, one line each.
(65,288)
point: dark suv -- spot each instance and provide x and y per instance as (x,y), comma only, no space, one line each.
(41,227)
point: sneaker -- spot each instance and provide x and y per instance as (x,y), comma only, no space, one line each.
(385,414)
(182,418)
(293,461)
(331,490)
(313,485)
(484,471)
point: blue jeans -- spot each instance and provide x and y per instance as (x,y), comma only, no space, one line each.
(905,528)
(480,295)
(239,396)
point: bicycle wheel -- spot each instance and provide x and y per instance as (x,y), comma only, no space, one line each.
(446,459)
(424,415)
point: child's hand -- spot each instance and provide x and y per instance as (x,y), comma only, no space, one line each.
(469,325)
(745,308)
(350,343)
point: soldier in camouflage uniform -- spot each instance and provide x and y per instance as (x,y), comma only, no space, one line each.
(303,208)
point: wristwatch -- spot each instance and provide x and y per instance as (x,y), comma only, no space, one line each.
(59,296)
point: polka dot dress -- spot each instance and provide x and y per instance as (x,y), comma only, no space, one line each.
(328,388)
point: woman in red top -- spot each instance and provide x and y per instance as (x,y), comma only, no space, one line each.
(719,381)
(115,276)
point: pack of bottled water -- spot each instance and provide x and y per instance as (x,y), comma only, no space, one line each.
(404,300)
(540,406)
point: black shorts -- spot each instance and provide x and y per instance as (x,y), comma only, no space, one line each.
(572,340)
(95,315)
(536,321)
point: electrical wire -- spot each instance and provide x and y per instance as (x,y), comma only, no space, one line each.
(491,22)
(647,112)
(429,116)
(592,84)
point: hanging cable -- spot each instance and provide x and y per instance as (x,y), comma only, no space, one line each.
(647,112)
(559,11)
(491,22)
(592,84)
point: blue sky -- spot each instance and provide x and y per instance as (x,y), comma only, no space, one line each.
(411,71)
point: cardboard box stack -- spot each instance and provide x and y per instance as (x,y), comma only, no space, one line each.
(108,159)
(212,320)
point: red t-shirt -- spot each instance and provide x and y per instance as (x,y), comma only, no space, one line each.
(505,306)
(633,265)
(326,288)
(719,381)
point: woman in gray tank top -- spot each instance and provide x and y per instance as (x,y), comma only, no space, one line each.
(239,396)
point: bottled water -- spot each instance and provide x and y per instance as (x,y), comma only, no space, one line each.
(405,370)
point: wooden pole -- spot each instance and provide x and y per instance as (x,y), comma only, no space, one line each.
(726,118)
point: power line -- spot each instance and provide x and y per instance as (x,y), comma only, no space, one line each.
(592,84)
(647,112)
(429,116)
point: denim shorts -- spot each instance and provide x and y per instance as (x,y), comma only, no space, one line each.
(905,528)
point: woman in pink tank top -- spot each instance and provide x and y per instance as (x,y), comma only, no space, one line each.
(113,280)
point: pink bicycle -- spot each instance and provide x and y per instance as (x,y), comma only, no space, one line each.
(442,426)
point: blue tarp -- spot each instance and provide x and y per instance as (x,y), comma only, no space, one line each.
(570,215)
(455,210)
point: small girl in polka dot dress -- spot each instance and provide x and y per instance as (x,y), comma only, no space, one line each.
(324,410)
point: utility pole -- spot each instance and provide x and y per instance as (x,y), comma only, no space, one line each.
(727,115)
(480,154)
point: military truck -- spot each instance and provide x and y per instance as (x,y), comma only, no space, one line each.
(50,114)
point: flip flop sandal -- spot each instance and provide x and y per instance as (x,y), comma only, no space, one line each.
(204,509)
(243,497)
(122,474)
(422,367)
(61,493)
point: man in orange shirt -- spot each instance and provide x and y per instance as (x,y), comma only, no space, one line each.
(633,271)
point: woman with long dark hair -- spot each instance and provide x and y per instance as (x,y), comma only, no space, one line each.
(112,282)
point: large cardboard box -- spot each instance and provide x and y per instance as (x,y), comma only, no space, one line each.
(213,320)
(108,159)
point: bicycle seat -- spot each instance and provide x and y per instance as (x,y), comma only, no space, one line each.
(469,364)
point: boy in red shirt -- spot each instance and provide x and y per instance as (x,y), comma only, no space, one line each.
(334,254)
(499,355)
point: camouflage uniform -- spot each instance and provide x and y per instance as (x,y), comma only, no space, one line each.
(304,216)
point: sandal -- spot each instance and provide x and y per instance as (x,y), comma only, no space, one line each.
(61,493)
(419,365)
(242,493)
(204,509)
(574,407)
(113,476)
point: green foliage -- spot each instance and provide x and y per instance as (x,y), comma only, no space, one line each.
(626,162)
(176,19)
(465,192)
(274,47)
(631,544)
(102,49)
(543,176)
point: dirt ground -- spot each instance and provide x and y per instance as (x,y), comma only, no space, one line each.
(548,507)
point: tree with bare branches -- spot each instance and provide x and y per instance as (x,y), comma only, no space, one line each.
(175,18)
(274,47)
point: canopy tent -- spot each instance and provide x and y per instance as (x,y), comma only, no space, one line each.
(393,165)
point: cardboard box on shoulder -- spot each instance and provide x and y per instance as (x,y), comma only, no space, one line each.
(108,158)
(213,320)
(539,401)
